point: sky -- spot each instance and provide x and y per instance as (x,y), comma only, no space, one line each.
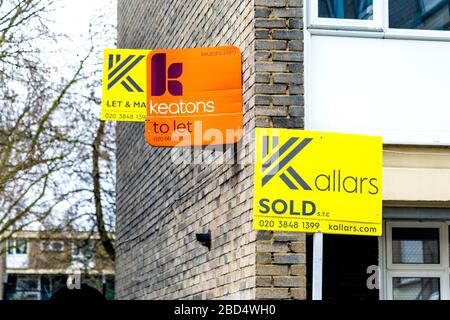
(73,16)
(72,19)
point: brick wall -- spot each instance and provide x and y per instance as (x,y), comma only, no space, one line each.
(280,257)
(279,63)
(161,205)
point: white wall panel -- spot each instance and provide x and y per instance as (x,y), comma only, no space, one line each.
(399,89)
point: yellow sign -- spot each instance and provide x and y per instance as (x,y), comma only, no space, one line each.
(308,181)
(124,87)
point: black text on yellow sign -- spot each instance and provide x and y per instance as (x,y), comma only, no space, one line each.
(308,181)
(124,85)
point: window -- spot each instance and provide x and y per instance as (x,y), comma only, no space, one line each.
(346,9)
(52,245)
(17,246)
(415,245)
(83,254)
(417,264)
(21,246)
(11,247)
(408,288)
(50,284)
(346,14)
(83,248)
(388,17)
(17,256)
(419,14)
(27,288)
(27,283)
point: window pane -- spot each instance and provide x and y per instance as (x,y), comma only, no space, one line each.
(84,248)
(53,245)
(415,245)
(11,247)
(57,246)
(419,14)
(88,249)
(346,9)
(416,288)
(21,246)
(30,283)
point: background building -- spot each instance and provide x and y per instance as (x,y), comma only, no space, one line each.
(38,263)
(374,67)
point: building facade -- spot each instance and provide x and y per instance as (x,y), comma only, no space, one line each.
(37,264)
(369,66)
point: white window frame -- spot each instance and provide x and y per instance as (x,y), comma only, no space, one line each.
(390,270)
(443,284)
(378,27)
(412,34)
(375,24)
(411,266)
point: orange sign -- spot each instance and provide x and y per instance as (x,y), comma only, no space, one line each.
(194,97)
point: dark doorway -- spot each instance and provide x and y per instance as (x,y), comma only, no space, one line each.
(345,261)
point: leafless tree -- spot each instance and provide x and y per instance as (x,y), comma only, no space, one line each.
(54,151)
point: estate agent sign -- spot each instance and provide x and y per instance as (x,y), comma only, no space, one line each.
(324,182)
(185,96)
